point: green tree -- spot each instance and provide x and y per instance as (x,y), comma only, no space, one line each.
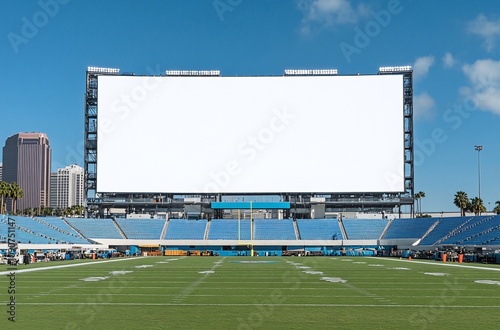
(47,211)
(4,192)
(58,212)
(497,207)
(16,192)
(418,198)
(477,206)
(462,202)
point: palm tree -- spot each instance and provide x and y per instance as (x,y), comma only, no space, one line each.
(16,192)
(418,197)
(497,207)
(4,191)
(462,202)
(47,211)
(477,206)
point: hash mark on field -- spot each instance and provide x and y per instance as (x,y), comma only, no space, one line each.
(342,281)
(188,290)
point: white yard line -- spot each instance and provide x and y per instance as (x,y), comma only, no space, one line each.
(189,289)
(442,264)
(274,305)
(18,271)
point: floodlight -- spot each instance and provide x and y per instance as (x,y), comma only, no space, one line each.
(405,68)
(212,73)
(320,72)
(102,70)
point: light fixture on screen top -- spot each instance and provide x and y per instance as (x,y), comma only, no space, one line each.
(207,73)
(102,70)
(320,72)
(405,68)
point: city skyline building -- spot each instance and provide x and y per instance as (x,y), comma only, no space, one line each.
(27,161)
(67,187)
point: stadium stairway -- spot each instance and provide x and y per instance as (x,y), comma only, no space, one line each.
(454,232)
(164,230)
(431,228)
(296,228)
(74,228)
(476,238)
(207,230)
(386,228)
(341,226)
(473,230)
(120,230)
(79,232)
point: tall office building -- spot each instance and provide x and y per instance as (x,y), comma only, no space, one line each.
(26,160)
(53,190)
(1,166)
(67,187)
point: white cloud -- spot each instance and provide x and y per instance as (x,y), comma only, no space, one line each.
(448,60)
(486,29)
(423,105)
(327,13)
(484,89)
(422,66)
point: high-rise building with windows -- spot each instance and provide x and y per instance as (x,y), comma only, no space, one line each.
(67,187)
(27,161)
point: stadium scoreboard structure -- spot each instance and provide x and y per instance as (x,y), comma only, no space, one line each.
(157,143)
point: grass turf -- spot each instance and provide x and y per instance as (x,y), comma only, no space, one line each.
(254,293)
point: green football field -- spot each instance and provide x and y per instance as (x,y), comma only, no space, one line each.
(252,293)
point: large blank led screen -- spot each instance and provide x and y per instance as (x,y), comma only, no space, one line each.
(250,134)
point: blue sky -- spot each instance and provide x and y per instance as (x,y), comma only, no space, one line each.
(46,46)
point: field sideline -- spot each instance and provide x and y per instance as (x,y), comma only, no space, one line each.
(252,293)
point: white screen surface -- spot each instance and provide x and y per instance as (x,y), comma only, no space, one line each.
(321,134)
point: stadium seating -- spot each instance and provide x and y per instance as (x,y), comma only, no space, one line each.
(443,228)
(364,228)
(186,229)
(472,233)
(409,228)
(95,228)
(63,230)
(319,229)
(228,229)
(141,228)
(274,229)
(472,230)
(23,235)
(36,230)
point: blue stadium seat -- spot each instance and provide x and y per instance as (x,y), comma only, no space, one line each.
(142,228)
(227,229)
(274,229)
(319,229)
(364,228)
(186,229)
